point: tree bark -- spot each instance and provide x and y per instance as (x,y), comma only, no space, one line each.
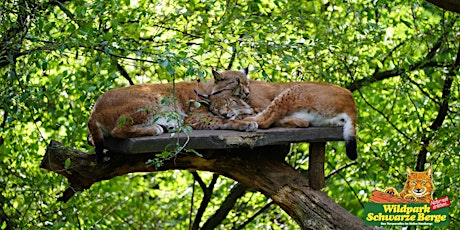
(260,168)
(452,5)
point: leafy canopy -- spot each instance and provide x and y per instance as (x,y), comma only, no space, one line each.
(399,58)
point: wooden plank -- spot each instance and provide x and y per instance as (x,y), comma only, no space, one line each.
(316,165)
(223,139)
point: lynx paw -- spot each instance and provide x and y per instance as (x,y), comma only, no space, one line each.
(410,197)
(392,191)
(246,126)
(251,127)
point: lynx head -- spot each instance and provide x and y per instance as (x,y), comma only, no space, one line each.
(420,184)
(236,82)
(227,106)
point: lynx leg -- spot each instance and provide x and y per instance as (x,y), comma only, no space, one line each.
(99,148)
(136,124)
(243,125)
(137,131)
(276,111)
(267,117)
(292,122)
(211,122)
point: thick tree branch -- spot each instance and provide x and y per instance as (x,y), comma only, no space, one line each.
(452,5)
(379,76)
(261,168)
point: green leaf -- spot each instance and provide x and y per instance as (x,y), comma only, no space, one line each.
(67,163)
(107,50)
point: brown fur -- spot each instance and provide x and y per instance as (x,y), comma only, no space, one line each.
(150,109)
(301,104)
(237,82)
(418,188)
(228,106)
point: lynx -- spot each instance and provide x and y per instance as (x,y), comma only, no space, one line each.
(152,109)
(419,187)
(301,104)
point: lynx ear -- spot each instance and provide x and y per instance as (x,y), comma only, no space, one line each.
(217,75)
(429,171)
(245,71)
(204,96)
(408,171)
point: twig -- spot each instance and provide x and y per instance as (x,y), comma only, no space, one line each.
(442,114)
(336,171)
(384,116)
(124,73)
(250,219)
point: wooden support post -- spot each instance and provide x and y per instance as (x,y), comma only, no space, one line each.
(316,165)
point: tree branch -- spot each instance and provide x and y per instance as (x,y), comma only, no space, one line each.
(452,5)
(442,113)
(338,170)
(234,53)
(207,194)
(379,76)
(237,192)
(261,168)
(5,118)
(124,73)
(427,61)
(384,116)
(63,8)
(250,219)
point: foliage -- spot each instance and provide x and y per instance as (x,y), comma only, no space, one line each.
(56,57)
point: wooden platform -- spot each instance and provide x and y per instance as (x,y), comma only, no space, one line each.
(225,139)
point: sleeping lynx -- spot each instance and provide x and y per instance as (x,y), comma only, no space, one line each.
(151,109)
(299,104)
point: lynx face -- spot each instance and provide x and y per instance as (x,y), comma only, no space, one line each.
(236,82)
(228,107)
(419,185)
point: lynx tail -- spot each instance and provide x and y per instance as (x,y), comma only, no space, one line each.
(350,145)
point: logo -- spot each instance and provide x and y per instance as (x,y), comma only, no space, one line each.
(413,205)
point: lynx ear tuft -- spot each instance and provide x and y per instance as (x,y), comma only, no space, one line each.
(204,96)
(429,171)
(408,171)
(217,76)
(245,71)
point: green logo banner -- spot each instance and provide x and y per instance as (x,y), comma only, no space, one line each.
(376,214)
